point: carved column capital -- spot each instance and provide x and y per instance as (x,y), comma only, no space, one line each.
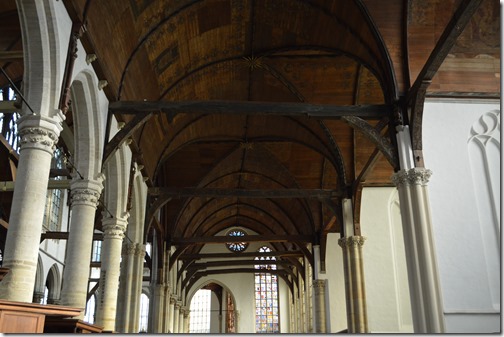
(114,228)
(39,132)
(140,250)
(128,249)
(186,312)
(173,300)
(319,283)
(85,192)
(414,176)
(178,305)
(351,241)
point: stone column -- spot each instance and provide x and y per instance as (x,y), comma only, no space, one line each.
(320,306)
(176,317)
(158,305)
(37,297)
(113,233)
(171,315)
(354,284)
(181,319)
(137,282)
(38,136)
(186,320)
(166,309)
(84,196)
(124,301)
(55,301)
(425,290)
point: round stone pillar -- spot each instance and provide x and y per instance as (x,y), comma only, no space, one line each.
(38,136)
(166,309)
(320,306)
(171,314)
(125,299)
(354,284)
(425,290)
(84,196)
(134,321)
(176,316)
(181,320)
(113,234)
(186,320)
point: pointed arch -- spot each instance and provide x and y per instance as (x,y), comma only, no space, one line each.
(53,283)
(42,52)
(87,128)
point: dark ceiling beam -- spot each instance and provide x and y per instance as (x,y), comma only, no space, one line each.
(286,193)
(233,271)
(416,95)
(235,262)
(123,134)
(11,55)
(251,108)
(358,185)
(382,143)
(247,238)
(280,254)
(64,236)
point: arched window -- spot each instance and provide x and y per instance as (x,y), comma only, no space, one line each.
(144,313)
(266,295)
(199,319)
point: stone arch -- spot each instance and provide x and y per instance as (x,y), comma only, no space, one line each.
(53,283)
(116,184)
(42,57)
(137,212)
(38,290)
(210,283)
(88,128)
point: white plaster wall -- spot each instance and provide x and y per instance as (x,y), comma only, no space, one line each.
(468,268)
(385,273)
(335,291)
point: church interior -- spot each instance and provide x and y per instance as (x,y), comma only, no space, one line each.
(250,166)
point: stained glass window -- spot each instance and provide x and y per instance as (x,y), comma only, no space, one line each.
(236,246)
(266,296)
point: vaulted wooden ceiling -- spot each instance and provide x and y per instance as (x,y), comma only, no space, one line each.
(285,99)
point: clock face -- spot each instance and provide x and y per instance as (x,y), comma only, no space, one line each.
(236,246)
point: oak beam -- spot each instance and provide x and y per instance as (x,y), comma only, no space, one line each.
(53,184)
(283,253)
(11,55)
(416,95)
(235,262)
(123,134)
(251,108)
(169,192)
(247,238)
(64,236)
